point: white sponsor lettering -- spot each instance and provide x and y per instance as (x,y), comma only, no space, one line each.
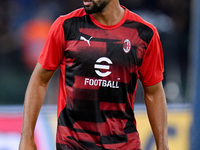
(102,83)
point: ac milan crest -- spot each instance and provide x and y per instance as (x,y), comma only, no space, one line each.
(127,46)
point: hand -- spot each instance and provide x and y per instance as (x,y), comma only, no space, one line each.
(27,144)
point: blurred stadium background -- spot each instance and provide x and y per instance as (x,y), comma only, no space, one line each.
(24,25)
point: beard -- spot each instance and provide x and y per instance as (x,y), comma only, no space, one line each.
(97,6)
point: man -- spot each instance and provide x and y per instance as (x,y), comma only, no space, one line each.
(102,50)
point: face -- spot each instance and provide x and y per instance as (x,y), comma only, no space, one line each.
(94,6)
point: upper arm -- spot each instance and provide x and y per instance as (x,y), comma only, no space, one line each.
(153,88)
(41,75)
(154,92)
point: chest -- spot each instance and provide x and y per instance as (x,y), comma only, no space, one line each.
(121,45)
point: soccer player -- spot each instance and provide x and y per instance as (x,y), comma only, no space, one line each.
(102,50)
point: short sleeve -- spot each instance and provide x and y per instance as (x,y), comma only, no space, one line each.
(152,68)
(53,50)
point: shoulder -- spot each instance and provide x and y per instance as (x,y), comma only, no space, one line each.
(136,18)
(146,30)
(76,13)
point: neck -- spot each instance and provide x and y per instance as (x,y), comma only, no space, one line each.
(111,14)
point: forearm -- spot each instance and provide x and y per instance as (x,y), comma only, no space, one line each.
(34,98)
(157,113)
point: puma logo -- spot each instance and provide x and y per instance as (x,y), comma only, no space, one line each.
(87,40)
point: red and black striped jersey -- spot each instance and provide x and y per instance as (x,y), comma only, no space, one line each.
(100,66)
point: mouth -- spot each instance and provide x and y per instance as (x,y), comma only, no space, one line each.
(87,2)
